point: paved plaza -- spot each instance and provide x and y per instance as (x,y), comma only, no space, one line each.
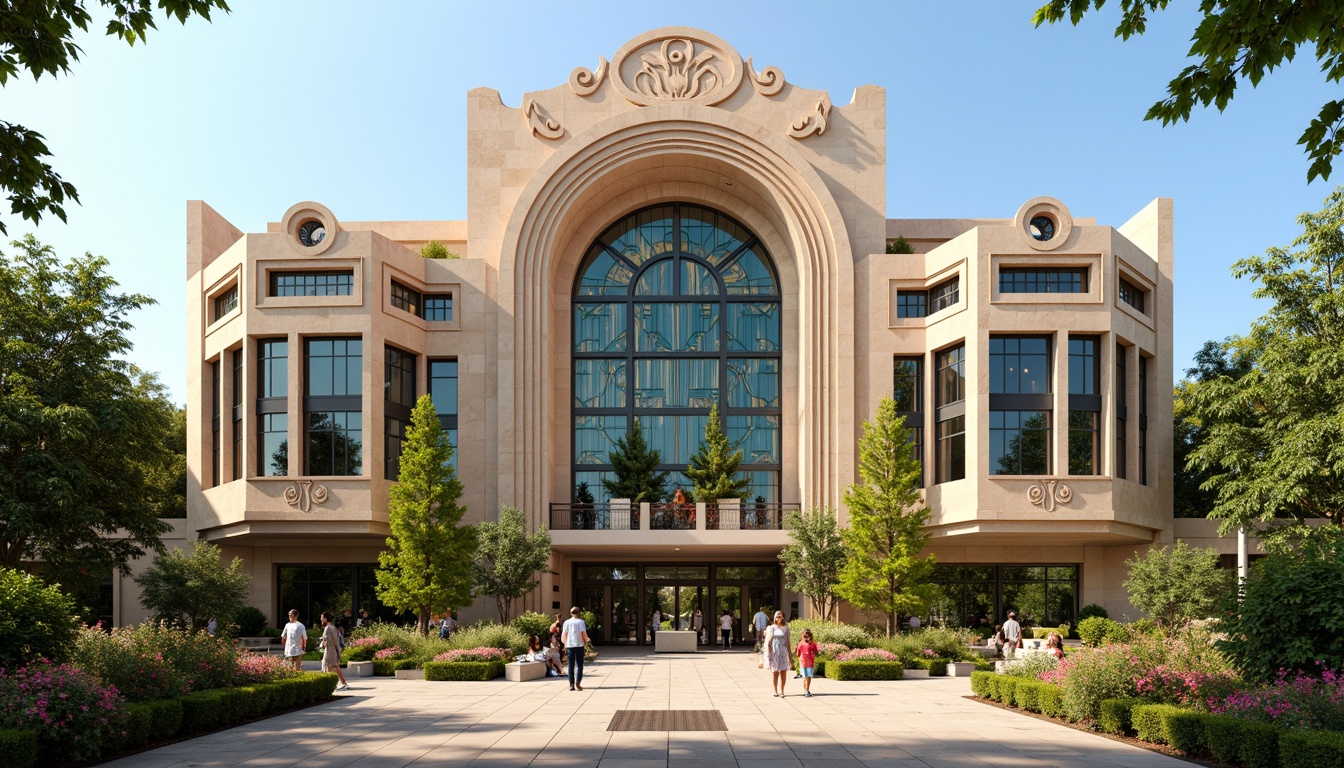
(900,724)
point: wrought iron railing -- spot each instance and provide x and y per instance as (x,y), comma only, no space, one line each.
(749,516)
(594,517)
(671,516)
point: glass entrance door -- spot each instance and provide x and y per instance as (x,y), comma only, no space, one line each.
(729,600)
(625,621)
(594,599)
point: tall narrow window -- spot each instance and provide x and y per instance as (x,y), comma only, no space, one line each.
(238,414)
(1143,420)
(333,406)
(216,447)
(1084,405)
(1019,405)
(1121,405)
(951,463)
(908,392)
(272,407)
(398,400)
(443,391)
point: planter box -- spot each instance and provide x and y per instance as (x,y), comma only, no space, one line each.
(359,669)
(410,674)
(960,668)
(518,671)
(917,674)
(674,641)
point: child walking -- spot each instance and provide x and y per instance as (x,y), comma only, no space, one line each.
(807,660)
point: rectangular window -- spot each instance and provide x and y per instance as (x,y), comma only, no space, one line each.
(944,295)
(405,298)
(1143,420)
(924,303)
(908,392)
(438,307)
(1084,405)
(1019,405)
(1131,294)
(1019,365)
(238,414)
(1121,404)
(226,302)
(951,463)
(394,435)
(216,447)
(912,303)
(1042,280)
(435,307)
(333,405)
(443,391)
(340,282)
(272,407)
(399,399)
(1019,442)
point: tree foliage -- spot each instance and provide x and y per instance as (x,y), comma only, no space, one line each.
(37,620)
(1290,615)
(1273,437)
(509,558)
(188,589)
(636,468)
(436,250)
(1176,584)
(84,436)
(38,37)
(427,566)
(1236,41)
(713,469)
(1214,360)
(884,573)
(814,558)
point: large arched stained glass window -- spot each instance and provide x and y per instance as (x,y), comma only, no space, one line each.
(675,307)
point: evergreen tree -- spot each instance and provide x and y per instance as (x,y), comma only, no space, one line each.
(427,566)
(509,559)
(884,573)
(813,561)
(713,469)
(636,468)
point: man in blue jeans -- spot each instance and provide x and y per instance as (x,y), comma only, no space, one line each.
(574,634)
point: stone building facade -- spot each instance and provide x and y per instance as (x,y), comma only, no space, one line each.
(674,227)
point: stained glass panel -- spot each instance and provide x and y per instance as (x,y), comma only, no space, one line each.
(676,327)
(681,383)
(595,436)
(754,327)
(656,280)
(696,280)
(753,383)
(599,383)
(709,234)
(749,276)
(643,236)
(599,328)
(756,436)
(604,275)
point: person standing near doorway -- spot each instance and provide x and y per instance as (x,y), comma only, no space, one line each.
(698,625)
(1012,636)
(726,629)
(759,622)
(295,636)
(655,623)
(575,637)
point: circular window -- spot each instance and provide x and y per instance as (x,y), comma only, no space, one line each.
(312,233)
(1042,228)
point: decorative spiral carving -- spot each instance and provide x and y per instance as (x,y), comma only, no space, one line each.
(319,494)
(1036,495)
(1046,493)
(815,121)
(585,81)
(1063,494)
(293,495)
(541,123)
(770,80)
(303,494)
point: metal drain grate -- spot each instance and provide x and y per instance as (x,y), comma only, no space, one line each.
(667,720)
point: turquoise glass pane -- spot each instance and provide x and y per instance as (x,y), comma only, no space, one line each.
(748,275)
(756,436)
(603,275)
(754,327)
(599,383)
(763,485)
(600,328)
(595,437)
(676,383)
(753,383)
(696,280)
(709,234)
(674,437)
(656,280)
(595,486)
(676,327)
(642,236)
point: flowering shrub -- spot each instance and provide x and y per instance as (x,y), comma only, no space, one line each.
(830,650)
(476,654)
(70,710)
(156,661)
(866,654)
(1194,688)
(1030,665)
(363,641)
(929,653)
(262,668)
(832,632)
(391,652)
(1299,702)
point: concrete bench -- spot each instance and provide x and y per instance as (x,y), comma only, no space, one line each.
(359,669)
(518,671)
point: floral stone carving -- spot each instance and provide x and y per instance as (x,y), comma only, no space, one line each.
(303,494)
(1045,493)
(540,122)
(674,64)
(768,81)
(813,122)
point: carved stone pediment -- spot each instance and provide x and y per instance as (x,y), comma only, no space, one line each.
(677,65)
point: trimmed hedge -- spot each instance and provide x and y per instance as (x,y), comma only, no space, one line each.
(980,683)
(866,670)
(1235,741)
(1306,749)
(1051,699)
(937,667)
(407,664)
(359,653)
(1150,721)
(165,718)
(1185,731)
(385,667)
(442,671)
(1027,695)
(1114,715)
(1008,689)
(139,718)
(19,748)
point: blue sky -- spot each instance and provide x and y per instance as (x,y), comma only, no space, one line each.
(364,112)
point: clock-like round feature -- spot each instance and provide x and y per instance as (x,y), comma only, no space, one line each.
(1042,228)
(312,233)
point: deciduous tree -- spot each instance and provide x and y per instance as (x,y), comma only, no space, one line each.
(884,573)
(427,566)
(509,559)
(1238,41)
(1176,584)
(187,589)
(713,469)
(814,558)
(1214,360)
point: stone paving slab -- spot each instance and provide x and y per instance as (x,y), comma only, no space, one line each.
(386,723)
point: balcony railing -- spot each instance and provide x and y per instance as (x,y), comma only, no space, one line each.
(668,516)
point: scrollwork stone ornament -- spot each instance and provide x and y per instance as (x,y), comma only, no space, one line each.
(675,64)
(813,122)
(303,494)
(584,81)
(540,122)
(1045,493)
(768,81)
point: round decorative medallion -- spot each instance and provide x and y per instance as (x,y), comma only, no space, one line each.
(677,64)
(311,233)
(1042,227)
(1043,223)
(310,227)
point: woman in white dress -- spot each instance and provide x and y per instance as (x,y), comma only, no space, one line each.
(775,642)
